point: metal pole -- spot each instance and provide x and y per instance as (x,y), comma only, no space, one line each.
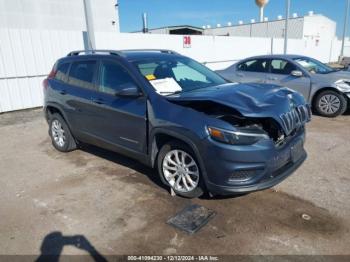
(345,28)
(117,24)
(89,25)
(286,27)
(145,23)
(262,14)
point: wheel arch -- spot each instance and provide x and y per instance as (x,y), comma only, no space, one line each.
(319,91)
(162,136)
(53,108)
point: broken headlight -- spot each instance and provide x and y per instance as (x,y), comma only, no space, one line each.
(343,85)
(239,137)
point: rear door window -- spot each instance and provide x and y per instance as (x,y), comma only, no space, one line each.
(82,74)
(282,67)
(256,65)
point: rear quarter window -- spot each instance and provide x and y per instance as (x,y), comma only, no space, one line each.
(62,72)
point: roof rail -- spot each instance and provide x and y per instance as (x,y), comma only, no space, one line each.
(166,51)
(94,51)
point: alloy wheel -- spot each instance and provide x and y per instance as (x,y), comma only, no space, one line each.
(180,171)
(58,134)
(329,104)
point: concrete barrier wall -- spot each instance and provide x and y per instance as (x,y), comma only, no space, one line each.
(26,56)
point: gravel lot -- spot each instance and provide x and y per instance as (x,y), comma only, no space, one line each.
(119,206)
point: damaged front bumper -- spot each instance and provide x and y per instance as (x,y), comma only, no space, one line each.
(242,169)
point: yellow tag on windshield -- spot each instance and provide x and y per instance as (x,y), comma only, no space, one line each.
(150,77)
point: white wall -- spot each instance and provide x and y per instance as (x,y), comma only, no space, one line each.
(57,14)
(204,48)
(324,50)
(222,48)
(26,56)
(319,26)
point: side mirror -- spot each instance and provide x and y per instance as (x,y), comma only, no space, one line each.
(297,73)
(129,91)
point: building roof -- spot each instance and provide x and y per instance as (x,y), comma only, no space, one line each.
(179,26)
(269,21)
(174,27)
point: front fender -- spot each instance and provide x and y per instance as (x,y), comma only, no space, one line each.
(188,137)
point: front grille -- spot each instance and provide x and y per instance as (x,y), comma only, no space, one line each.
(295,118)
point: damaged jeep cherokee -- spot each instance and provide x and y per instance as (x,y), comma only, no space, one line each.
(201,132)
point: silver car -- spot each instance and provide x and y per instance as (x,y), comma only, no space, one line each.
(326,89)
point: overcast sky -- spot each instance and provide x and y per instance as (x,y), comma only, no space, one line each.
(204,12)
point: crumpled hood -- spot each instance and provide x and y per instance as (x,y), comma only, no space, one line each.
(251,100)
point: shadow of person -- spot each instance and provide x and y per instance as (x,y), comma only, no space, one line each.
(53,243)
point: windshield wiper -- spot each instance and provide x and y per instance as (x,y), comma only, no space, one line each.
(330,71)
(197,88)
(170,93)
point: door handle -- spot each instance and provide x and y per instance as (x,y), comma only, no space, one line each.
(273,78)
(240,75)
(63,92)
(98,101)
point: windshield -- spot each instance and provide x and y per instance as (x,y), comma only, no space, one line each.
(313,66)
(170,75)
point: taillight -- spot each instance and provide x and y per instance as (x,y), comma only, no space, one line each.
(45,84)
(50,76)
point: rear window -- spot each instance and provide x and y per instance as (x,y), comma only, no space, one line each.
(256,65)
(62,72)
(82,74)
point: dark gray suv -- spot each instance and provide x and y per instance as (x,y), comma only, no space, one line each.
(170,112)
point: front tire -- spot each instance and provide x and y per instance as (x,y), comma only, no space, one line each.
(60,134)
(330,103)
(179,169)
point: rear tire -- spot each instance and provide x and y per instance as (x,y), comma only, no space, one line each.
(61,137)
(181,173)
(330,104)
